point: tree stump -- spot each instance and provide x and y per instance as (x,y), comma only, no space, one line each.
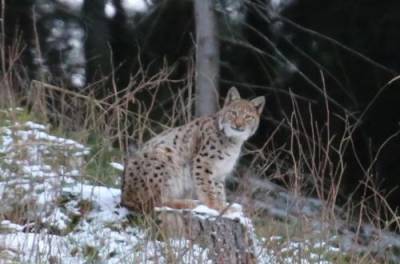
(229,238)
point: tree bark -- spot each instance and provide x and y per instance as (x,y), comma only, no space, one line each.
(207,58)
(227,240)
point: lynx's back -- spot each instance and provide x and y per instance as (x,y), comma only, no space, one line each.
(188,164)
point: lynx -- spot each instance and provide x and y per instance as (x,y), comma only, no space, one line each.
(187,165)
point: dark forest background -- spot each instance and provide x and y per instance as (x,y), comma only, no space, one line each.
(332,60)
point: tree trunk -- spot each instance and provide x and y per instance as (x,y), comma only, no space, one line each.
(228,240)
(207,58)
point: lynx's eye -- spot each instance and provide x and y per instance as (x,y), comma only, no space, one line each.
(250,118)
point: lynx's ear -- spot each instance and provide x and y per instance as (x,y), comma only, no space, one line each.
(232,95)
(259,103)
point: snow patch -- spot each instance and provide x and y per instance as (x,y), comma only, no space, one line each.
(117,166)
(35,126)
(204,210)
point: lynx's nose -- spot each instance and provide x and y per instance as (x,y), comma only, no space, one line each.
(238,125)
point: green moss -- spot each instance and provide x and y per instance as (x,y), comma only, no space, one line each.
(91,253)
(75,219)
(17,115)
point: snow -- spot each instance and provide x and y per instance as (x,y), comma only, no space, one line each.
(57,219)
(233,211)
(35,126)
(33,248)
(117,166)
(204,210)
(8,225)
(105,198)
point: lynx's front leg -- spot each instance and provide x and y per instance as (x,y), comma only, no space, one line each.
(210,189)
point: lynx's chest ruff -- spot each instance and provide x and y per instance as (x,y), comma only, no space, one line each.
(226,165)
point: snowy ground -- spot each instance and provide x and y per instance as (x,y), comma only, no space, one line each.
(49,213)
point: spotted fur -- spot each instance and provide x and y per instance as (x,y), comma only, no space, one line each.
(189,163)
